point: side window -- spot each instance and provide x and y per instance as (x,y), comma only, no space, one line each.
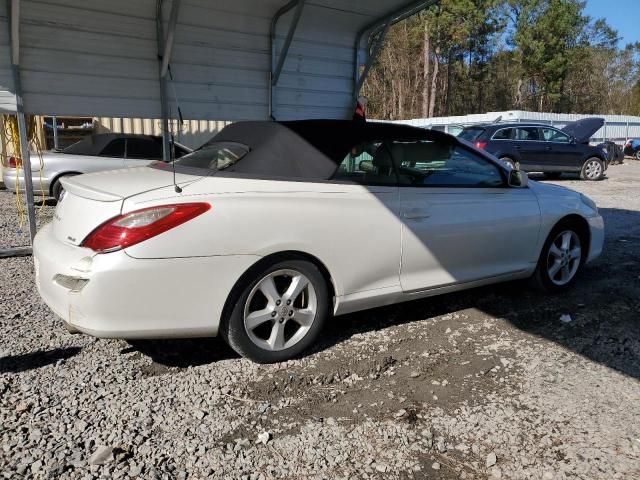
(553,135)
(504,134)
(431,164)
(115,148)
(527,133)
(144,148)
(369,163)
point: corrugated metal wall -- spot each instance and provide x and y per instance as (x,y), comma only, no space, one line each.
(96,57)
(193,133)
(7,99)
(617,128)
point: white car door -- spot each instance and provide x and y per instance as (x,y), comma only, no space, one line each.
(460,221)
(368,220)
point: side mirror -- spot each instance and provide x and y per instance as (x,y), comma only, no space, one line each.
(518,179)
(365,166)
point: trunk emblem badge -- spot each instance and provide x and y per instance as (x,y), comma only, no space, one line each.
(71,239)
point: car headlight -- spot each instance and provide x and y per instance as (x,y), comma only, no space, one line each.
(589,203)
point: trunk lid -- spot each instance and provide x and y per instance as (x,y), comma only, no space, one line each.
(94,198)
(583,130)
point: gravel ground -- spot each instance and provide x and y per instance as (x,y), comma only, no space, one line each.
(488,383)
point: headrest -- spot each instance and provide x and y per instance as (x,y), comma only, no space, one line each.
(382,158)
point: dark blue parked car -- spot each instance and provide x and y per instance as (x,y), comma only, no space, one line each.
(632,148)
(542,148)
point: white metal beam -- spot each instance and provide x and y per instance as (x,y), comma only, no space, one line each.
(168,41)
(276,69)
(14,7)
(376,29)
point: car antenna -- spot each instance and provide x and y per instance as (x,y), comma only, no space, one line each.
(173,142)
(172,154)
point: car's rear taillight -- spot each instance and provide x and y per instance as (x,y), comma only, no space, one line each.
(134,227)
(14,162)
(481,145)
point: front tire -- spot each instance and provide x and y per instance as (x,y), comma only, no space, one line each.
(637,155)
(593,169)
(277,312)
(562,257)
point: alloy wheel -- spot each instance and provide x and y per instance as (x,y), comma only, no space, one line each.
(564,257)
(593,170)
(280,310)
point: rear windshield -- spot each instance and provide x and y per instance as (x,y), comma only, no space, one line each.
(470,134)
(83,147)
(214,156)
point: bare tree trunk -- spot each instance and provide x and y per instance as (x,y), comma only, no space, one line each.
(447,100)
(434,82)
(400,101)
(426,71)
(518,100)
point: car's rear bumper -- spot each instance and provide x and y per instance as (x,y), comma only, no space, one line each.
(11,177)
(126,297)
(596,226)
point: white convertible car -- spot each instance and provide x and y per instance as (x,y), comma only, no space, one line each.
(270,228)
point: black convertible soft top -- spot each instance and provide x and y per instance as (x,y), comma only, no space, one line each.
(307,149)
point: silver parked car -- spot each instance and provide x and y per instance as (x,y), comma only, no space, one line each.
(108,151)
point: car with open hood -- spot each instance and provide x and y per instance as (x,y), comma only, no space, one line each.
(542,148)
(268,229)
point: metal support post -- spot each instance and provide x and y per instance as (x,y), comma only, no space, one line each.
(377,46)
(164,107)
(54,121)
(276,69)
(374,29)
(13,6)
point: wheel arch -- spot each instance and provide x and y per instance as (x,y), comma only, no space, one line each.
(581,224)
(58,177)
(271,258)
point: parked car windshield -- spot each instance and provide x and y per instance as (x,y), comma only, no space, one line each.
(470,134)
(81,147)
(214,156)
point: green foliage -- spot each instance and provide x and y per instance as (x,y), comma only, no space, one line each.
(472,56)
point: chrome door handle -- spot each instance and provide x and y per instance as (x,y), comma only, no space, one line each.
(415,215)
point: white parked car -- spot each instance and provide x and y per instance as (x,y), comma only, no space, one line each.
(272,227)
(94,153)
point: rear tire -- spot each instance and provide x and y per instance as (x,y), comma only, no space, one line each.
(57,188)
(637,155)
(593,169)
(561,259)
(277,311)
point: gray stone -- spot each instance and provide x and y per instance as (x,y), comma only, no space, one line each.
(101,455)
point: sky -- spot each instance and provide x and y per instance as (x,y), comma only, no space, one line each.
(622,15)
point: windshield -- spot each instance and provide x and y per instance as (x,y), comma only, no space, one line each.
(470,134)
(214,156)
(82,147)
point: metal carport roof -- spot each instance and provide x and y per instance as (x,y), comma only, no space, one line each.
(214,59)
(93,57)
